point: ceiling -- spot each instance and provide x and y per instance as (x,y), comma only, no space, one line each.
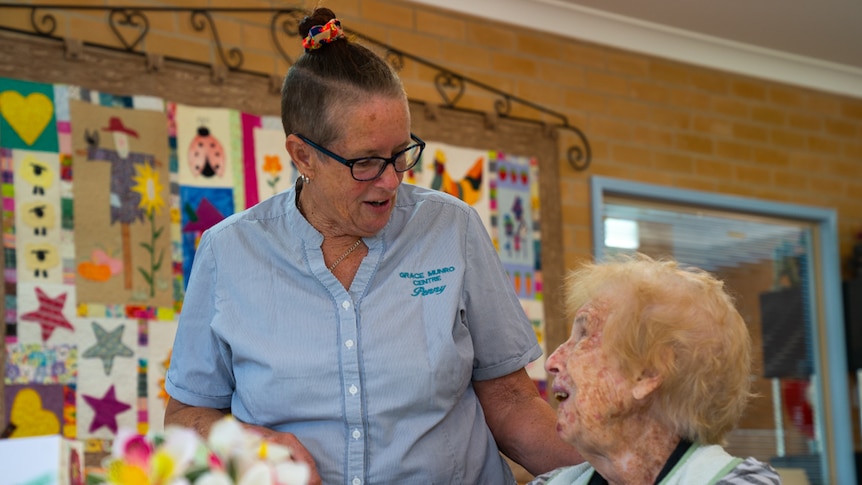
(827,30)
(810,43)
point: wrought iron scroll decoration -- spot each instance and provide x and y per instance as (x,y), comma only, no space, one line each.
(284,21)
(200,19)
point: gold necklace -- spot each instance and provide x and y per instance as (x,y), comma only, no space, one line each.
(346,254)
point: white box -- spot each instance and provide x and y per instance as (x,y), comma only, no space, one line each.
(50,459)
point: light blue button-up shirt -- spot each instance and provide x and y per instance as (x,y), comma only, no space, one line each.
(376,380)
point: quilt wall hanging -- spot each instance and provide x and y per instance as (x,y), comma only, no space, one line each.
(104,201)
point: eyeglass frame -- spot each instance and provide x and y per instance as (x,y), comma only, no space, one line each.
(353,161)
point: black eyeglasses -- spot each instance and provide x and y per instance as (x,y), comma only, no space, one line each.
(369,168)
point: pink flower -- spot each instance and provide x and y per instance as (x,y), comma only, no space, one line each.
(134,449)
(215,462)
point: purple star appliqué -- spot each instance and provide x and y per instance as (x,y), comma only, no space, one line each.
(107,408)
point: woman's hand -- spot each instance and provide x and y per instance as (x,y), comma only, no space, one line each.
(297,451)
(202,419)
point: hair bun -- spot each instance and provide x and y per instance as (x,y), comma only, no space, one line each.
(320,16)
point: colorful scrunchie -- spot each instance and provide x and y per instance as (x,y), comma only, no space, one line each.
(322,34)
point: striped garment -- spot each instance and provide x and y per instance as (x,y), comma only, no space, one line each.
(751,471)
(697,467)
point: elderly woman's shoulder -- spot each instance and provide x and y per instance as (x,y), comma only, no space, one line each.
(751,470)
(565,475)
(746,472)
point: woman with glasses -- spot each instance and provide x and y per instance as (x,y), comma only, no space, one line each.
(365,323)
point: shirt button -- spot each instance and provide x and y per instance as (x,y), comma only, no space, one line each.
(353,390)
(356,434)
(357,481)
(348,343)
(345,304)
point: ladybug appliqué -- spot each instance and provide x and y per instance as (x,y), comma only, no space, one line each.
(206,155)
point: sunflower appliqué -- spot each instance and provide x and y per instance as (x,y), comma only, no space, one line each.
(148,185)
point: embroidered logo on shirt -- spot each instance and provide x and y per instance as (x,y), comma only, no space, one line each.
(427,283)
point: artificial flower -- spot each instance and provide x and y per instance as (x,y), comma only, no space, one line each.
(233,455)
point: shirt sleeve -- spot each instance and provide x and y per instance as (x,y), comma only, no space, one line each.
(503,338)
(200,373)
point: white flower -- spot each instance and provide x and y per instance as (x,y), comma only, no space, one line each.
(257,474)
(292,473)
(214,478)
(182,444)
(276,453)
(228,437)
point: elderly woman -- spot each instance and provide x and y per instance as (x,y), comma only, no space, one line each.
(303,319)
(655,374)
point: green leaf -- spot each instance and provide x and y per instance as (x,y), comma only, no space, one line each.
(96,479)
(147,246)
(146,276)
(190,212)
(195,473)
(159,262)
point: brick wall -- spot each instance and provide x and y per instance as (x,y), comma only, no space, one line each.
(647,119)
